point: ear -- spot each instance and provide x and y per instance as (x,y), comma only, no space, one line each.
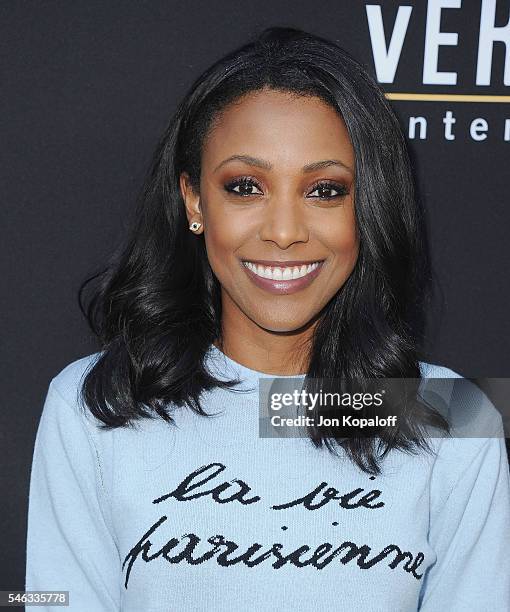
(191,199)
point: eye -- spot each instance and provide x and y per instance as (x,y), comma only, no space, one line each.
(243,187)
(336,190)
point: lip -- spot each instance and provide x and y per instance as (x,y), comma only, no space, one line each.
(283,287)
(282,263)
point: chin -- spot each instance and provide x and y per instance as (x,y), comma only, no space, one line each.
(284,324)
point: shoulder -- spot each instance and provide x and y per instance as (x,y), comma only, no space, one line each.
(69,380)
(63,402)
(65,426)
(469,410)
(474,444)
(432,370)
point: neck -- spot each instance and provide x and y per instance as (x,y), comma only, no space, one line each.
(271,352)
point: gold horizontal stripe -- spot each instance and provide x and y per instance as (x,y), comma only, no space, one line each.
(446,97)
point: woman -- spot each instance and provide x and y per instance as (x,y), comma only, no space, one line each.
(277,235)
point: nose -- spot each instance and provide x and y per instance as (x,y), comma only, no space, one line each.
(284,222)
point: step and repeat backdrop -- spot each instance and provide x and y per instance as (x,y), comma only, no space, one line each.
(445,65)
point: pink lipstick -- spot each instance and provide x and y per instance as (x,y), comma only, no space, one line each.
(282,277)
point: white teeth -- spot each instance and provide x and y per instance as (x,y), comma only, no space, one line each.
(281,273)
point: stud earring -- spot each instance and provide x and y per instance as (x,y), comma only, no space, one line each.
(195,226)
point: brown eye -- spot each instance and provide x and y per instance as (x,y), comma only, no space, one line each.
(327,191)
(243,187)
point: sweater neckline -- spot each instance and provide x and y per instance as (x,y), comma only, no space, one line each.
(223,366)
(226,367)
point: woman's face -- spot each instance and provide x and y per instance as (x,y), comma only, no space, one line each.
(276,204)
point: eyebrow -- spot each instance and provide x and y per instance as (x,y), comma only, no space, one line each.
(261,163)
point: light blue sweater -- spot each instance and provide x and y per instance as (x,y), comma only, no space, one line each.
(209,516)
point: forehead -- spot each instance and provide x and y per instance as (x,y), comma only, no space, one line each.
(281,127)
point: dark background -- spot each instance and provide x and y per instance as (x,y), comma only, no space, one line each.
(86,90)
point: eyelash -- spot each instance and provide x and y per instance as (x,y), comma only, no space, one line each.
(248,181)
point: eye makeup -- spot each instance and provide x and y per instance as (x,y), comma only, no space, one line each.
(240,186)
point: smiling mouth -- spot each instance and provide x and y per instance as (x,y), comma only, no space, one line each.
(282,271)
(282,277)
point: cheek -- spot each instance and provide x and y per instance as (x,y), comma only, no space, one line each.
(222,239)
(341,237)
(349,246)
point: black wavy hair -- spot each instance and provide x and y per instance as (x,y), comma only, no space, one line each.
(156,306)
